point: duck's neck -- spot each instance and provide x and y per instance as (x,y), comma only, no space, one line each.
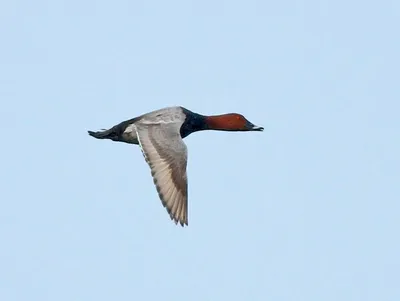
(193,123)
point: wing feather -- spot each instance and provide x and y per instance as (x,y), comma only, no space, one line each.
(166,154)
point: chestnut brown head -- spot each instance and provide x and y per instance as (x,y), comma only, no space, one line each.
(231,122)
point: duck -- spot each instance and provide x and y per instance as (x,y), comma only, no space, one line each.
(160,134)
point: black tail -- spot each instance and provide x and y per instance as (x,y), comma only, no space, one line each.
(107,134)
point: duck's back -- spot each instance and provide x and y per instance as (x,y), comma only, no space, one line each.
(169,115)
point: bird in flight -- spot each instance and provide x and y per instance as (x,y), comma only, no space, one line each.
(160,136)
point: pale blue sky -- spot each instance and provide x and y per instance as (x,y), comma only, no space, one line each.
(307,210)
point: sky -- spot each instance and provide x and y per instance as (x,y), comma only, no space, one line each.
(306,210)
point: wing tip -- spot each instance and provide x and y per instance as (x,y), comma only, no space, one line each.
(176,220)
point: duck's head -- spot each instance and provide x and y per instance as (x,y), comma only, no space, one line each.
(231,122)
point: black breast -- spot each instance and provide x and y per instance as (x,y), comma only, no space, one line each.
(193,123)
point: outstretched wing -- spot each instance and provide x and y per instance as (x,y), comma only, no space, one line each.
(166,154)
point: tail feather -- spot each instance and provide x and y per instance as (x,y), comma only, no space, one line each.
(107,134)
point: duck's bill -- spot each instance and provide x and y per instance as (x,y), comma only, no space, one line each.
(257,128)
